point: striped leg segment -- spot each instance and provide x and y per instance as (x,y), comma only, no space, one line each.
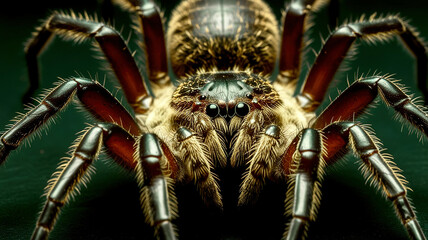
(120,146)
(154,193)
(95,98)
(377,167)
(111,43)
(303,196)
(339,44)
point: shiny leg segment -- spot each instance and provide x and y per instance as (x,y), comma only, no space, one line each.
(111,43)
(376,167)
(355,99)
(153,184)
(95,98)
(151,25)
(303,196)
(293,27)
(339,44)
(119,144)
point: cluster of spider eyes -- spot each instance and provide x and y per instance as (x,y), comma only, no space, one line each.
(213,110)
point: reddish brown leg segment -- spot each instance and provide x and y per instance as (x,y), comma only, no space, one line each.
(379,169)
(355,99)
(287,157)
(119,145)
(110,42)
(338,45)
(94,97)
(154,38)
(292,39)
(84,155)
(154,41)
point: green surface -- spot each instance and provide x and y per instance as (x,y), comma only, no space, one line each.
(108,208)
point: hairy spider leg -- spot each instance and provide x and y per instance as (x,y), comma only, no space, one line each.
(337,135)
(339,44)
(377,167)
(198,166)
(355,99)
(111,43)
(153,184)
(76,169)
(261,164)
(244,138)
(94,97)
(295,23)
(303,196)
(151,26)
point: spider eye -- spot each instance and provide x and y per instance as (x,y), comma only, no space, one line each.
(212,110)
(242,109)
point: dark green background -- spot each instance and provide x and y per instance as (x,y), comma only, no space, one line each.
(108,208)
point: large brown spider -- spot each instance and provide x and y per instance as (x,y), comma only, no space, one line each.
(260,128)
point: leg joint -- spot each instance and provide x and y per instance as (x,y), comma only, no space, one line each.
(74,24)
(273,131)
(362,142)
(105,31)
(404,209)
(90,144)
(183,134)
(347,31)
(384,25)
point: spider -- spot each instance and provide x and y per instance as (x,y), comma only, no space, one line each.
(262,97)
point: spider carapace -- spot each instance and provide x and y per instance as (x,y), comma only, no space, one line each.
(225,112)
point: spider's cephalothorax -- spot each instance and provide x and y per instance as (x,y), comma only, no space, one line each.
(225,111)
(225,94)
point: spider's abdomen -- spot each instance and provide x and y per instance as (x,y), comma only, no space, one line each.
(222,35)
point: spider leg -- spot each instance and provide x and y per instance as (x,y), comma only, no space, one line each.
(197,165)
(111,43)
(303,196)
(261,164)
(154,193)
(376,166)
(95,98)
(293,28)
(243,139)
(258,144)
(119,144)
(352,102)
(151,25)
(339,43)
